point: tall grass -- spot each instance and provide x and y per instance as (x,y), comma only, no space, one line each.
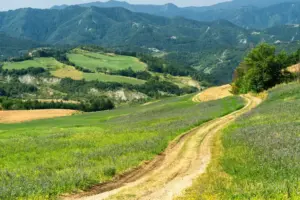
(261,153)
(43,159)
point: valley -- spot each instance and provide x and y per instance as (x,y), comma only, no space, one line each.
(114,100)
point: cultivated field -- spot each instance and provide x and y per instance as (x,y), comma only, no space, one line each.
(92,61)
(45,158)
(258,156)
(47,63)
(68,72)
(111,78)
(28,115)
(60,70)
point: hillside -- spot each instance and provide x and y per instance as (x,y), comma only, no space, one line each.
(257,156)
(214,48)
(10,46)
(103,26)
(80,151)
(81,75)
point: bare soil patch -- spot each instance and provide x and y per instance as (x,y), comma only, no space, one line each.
(213,93)
(16,116)
(294,68)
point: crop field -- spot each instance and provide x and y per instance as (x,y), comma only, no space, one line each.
(111,78)
(47,63)
(29,115)
(92,61)
(258,156)
(60,70)
(68,72)
(45,158)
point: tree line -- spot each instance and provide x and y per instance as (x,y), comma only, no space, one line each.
(92,105)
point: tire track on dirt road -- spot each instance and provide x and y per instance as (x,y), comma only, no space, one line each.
(170,173)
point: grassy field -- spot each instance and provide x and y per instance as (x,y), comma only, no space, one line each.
(68,72)
(258,156)
(111,78)
(45,158)
(60,70)
(47,63)
(92,61)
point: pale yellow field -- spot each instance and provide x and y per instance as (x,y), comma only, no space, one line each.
(16,116)
(214,93)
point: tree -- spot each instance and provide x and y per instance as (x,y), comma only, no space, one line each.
(261,69)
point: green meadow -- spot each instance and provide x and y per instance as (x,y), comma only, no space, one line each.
(47,63)
(92,61)
(45,158)
(258,156)
(112,78)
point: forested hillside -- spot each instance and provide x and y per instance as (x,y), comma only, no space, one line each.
(213,48)
(244,13)
(10,46)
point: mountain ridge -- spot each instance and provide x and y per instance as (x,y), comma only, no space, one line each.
(240,12)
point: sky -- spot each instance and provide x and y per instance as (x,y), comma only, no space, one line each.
(14,4)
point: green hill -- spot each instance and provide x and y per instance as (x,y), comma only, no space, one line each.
(257,157)
(80,151)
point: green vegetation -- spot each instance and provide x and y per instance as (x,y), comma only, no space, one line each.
(111,78)
(94,61)
(93,105)
(46,63)
(15,88)
(45,158)
(262,69)
(260,155)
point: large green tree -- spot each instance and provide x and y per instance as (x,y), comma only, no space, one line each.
(261,69)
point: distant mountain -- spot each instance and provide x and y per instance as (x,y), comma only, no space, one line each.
(10,46)
(237,4)
(260,18)
(121,27)
(246,13)
(214,48)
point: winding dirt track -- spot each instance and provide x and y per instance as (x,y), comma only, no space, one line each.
(170,173)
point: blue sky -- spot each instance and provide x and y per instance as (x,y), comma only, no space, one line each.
(14,4)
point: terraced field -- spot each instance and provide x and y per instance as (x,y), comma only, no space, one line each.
(46,158)
(92,61)
(258,156)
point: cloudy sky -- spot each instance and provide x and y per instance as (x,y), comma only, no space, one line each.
(14,4)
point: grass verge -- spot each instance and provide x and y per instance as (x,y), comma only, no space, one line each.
(258,156)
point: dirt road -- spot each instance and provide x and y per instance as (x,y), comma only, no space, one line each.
(171,173)
(214,93)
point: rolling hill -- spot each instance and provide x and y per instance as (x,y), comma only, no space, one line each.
(215,47)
